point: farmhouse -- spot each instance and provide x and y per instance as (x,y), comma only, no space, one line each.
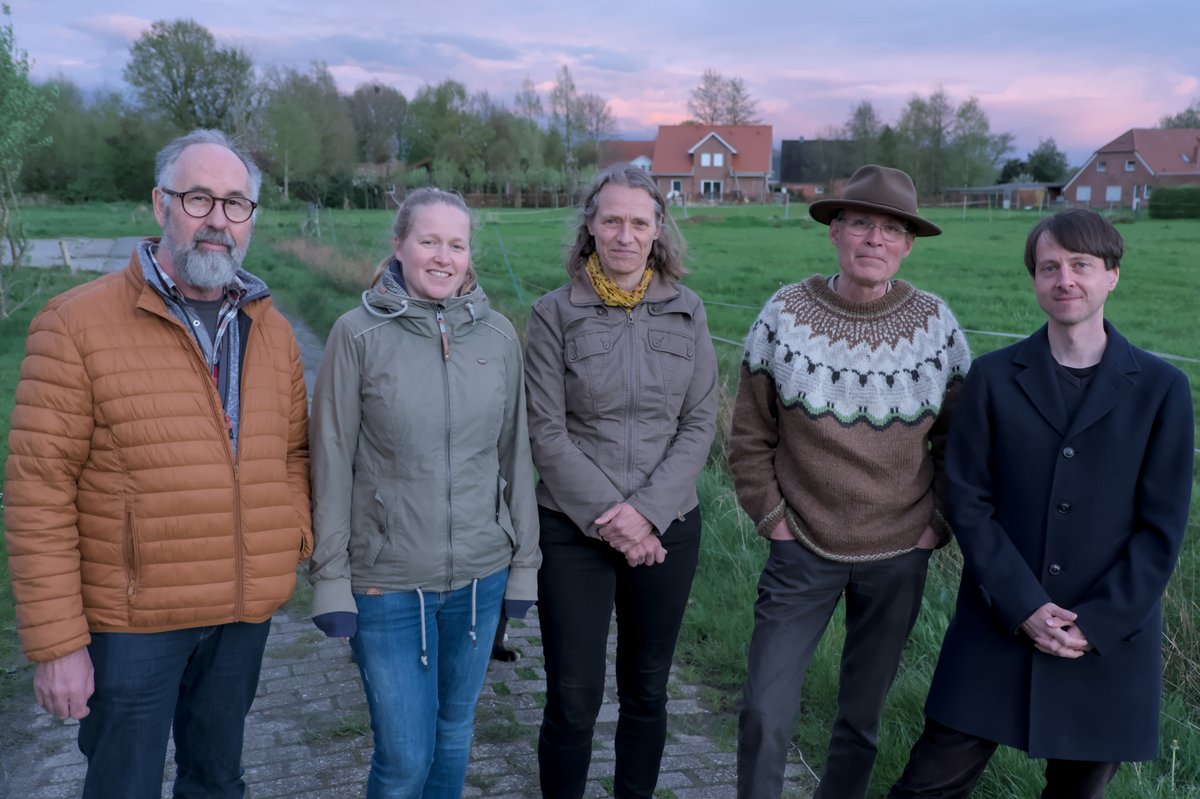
(726,163)
(1122,173)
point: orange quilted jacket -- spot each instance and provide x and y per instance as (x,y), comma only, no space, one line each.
(124,508)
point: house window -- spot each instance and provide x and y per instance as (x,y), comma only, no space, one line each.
(1083,194)
(1101,166)
(718,159)
(1146,192)
(1130,165)
(1112,194)
(711,188)
(705,159)
(676,186)
(819,190)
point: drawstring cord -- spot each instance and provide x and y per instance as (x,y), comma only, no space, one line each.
(474,588)
(424,650)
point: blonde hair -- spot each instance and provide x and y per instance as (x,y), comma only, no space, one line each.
(419,198)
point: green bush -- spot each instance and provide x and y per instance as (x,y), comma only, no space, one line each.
(1179,202)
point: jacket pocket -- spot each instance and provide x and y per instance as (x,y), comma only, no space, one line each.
(503,517)
(133,554)
(590,369)
(673,357)
(365,547)
(679,344)
(587,344)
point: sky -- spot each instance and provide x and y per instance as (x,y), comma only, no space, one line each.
(1082,73)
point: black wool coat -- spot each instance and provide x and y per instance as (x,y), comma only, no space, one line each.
(1088,513)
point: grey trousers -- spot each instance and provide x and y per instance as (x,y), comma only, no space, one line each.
(797,594)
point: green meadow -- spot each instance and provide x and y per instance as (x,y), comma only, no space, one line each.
(738,257)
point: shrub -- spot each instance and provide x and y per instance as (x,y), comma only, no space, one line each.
(1179,202)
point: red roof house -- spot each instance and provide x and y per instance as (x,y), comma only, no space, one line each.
(1122,173)
(714,162)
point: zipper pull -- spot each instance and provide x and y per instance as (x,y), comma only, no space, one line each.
(441,322)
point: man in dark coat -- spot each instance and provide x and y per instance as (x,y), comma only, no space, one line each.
(1070,473)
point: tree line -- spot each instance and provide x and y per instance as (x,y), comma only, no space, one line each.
(310,139)
(316,144)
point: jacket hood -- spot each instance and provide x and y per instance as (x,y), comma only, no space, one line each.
(389,299)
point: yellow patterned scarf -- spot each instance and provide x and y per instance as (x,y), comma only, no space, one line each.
(610,292)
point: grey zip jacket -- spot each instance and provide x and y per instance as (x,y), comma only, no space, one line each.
(421,468)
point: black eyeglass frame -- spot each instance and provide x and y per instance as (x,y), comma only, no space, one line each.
(212,202)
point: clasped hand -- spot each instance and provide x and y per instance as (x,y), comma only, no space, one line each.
(628,532)
(1053,631)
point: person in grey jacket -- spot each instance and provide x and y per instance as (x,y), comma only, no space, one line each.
(423,504)
(621,380)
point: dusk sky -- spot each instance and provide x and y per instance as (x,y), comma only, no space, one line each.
(1080,72)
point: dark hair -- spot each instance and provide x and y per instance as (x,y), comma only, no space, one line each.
(419,198)
(164,161)
(667,251)
(1078,230)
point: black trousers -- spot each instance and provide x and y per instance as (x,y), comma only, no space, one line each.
(581,580)
(947,764)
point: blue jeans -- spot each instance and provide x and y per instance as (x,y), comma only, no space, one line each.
(422,715)
(200,681)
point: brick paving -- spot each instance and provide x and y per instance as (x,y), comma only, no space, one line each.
(308,735)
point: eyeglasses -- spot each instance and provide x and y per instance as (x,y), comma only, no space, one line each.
(199,204)
(861,228)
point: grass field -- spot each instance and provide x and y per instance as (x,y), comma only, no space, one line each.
(738,257)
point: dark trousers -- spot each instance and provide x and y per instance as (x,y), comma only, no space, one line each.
(797,594)
(199,682)
(947,764)
(580,581)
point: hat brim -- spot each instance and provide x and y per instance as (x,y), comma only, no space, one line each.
(825,211)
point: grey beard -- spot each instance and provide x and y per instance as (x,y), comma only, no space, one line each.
(206,270)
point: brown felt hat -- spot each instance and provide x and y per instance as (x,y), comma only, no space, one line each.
(881,190)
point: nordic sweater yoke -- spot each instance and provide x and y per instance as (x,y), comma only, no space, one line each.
(840,418)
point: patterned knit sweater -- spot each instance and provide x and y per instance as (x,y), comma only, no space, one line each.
(841,414)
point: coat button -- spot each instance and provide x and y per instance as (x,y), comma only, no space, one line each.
(1055,569)
(1068,452)
(1064,507)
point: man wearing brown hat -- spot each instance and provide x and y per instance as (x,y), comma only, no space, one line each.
(838,428)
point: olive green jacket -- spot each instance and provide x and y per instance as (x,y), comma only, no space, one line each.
(421,466)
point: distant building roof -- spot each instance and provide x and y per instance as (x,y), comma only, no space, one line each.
(1165,151)
(750,147)
(619,151)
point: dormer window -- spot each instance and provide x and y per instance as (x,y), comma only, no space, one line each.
(1101,166)
(1130,165)
(705,159)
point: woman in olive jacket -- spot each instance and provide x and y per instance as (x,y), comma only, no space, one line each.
(424,514)
(621,382)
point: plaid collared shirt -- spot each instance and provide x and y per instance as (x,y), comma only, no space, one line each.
(222,349)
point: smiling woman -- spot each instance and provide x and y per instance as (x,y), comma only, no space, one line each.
(423,508)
